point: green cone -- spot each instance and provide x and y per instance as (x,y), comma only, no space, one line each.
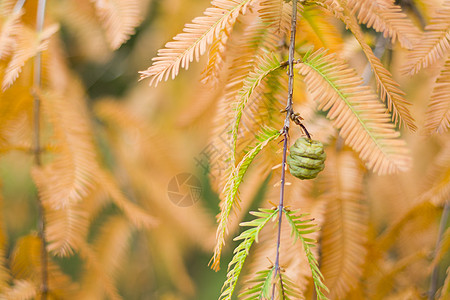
(306,158)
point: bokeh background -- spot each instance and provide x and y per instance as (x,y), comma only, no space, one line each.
(145,136)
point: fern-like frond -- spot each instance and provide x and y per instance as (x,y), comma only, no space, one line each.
(26,265)
(438,113)
(119,19)
(355,110)
(230,191)
(6,6)
(263,109)
(265,65)
(15,108)
(66,228)
(242,250)
(386,17)
(192,43)
(71,175)
(277,15)
(435,42)
(333,6)
(28,44)
(287,289)
(258,39)
(81,19)
(294,256)
(21,290)
(8,35)
(26,259)
(268,102)
(216,60)
(387,87)
(261,286)
(344,231)
(301,227)
(293,261)
(254,180)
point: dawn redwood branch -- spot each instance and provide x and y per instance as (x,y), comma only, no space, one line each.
(37,150)
(285,133)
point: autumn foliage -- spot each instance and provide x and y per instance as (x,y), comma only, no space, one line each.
(94,135)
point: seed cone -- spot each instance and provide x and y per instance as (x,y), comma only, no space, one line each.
(306,158)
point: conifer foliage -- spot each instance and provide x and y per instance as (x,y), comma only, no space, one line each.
(92,163)
(363,120)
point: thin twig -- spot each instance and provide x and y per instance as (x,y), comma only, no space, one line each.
(435,273)
(285,132)
(37,151)
(284,64)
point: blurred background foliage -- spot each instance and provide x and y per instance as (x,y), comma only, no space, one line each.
(145,136)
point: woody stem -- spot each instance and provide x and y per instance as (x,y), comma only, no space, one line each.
(285,132)
(37,151)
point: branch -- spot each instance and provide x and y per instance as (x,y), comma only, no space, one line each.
(285,132)
(37,151)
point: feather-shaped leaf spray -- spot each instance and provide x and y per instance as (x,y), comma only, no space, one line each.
(119,18)
(301,227)
(386,17)
(230,192)
(193,42)
(21,290)
(277,14)
(438,113)
(387,87)
(435,42)
(344,233)
(29,43)
(355,110)
(241,252)
(11,24)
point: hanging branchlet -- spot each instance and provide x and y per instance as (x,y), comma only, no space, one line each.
(289,111)
(297,119)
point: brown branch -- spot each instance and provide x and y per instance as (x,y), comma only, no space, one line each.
(435,273)
(37,151)
(285,132)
